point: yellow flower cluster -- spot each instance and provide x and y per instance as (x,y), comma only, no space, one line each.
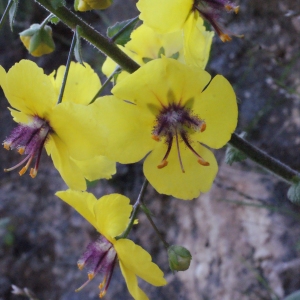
(169,113)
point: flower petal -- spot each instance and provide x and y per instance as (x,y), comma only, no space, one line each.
(160,82)
(170,180)
(82,83)
(29,90)
(138,261)
(128,129)
(218,107)
(97,168)
(164,16)
(112,214)
(132,283)
(79,128)
(197,41)
(83,202)
(67,168)
(20,117)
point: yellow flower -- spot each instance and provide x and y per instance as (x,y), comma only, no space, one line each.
(145,45)
(169,15)
(38,40)
(110,216)
(66,130)
(170,110)
(85,5)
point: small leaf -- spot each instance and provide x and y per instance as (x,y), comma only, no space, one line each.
(77,49)
(175,55)
(121,31)
(57,3)
(234,155)
(146,59)
(12,13)
(161,52)
(294,193)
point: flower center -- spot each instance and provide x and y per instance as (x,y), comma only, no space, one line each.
(99,257)
(177,121)
(28,139)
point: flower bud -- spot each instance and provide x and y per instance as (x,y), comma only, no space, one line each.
(85,5)
(179,258)
(38,40)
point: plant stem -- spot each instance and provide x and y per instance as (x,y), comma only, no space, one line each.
(263,159)
(92,36)
(6,11)
(46,21)
(107,81)
(166,245)
(63,85)
(136,208)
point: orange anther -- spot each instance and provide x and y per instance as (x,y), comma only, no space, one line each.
(80,266)
(6,146)
(33,172)
(162,164)
(156,138)
(202,162)
(203,127)
(225,37)
(91,276)
(21,150)
(23,170)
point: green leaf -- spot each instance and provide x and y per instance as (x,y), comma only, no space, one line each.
(121,31)
(12,13)
(234,155)
(293,296)
(57,3)
(161,52)
(294,193)
(77,49)
(175,55)
(146,59)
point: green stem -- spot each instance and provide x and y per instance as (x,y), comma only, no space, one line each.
(166,245)
(6,11)
(117,69)
(263,159)
(46,21)
(63,85)
(113,39)
(91,35)
(136,208)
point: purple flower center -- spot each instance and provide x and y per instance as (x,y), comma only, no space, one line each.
(177,121)
(99,257)
(29,139)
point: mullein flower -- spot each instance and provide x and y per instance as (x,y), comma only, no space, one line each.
(85,5)
(38,39)
(168,16)
(145,45)
(110,216)
(65,129)
(169,111)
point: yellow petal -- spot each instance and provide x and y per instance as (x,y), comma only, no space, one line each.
(20,117)
(2,77)
(67,168)
(82,83)
(138,261)
(29,90)
(132,283)
(197,41)
(128,129)
(97,168)
(164,16)
(161,82)
(83,202)
(112,214)
(79,128)
(218,107)
(170,180)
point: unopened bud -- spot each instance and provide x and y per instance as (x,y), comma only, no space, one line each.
(38,40)
(85,5)
(179,258)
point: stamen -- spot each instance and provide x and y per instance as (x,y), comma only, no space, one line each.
(155,137)
(201,161)
(91,275)
(178,151)
(101,285)
(18,165)
(25,168)
(21,150)
(33,172)
(225,37)
(203,127)
(80,266)
(6,146)
(81,287)
(164,161)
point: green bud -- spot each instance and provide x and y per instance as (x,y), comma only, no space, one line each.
(179,258)
(38,40)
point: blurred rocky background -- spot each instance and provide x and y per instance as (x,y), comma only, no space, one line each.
(244,234)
